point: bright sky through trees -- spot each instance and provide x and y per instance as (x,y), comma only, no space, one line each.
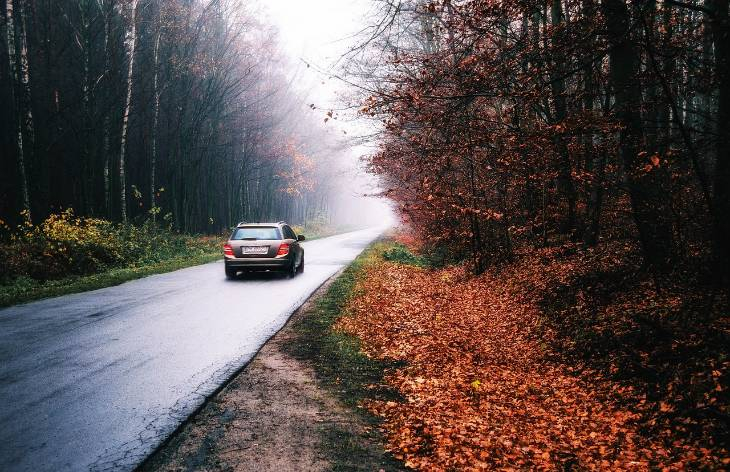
(318,33)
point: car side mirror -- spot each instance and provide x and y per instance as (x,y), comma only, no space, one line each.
(301,238)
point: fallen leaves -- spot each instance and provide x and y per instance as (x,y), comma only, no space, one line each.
(479,390)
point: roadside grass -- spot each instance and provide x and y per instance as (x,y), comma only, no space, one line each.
(312,234)
(317,231)
(26,289)
(345,371)
(66,253)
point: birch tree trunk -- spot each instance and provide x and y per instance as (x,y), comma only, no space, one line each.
(107,10)
(85,43)
(14,80)
(25,84)
(155,119)
(130,40)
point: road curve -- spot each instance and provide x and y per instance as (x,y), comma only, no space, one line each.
(97,380)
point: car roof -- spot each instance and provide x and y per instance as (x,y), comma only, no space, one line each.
(241,225)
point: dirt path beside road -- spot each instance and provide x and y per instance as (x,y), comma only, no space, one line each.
(270,416)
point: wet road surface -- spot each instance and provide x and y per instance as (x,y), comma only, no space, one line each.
(97,380)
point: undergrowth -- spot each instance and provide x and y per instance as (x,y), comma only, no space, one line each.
(66,253)
(669,338)
(401,254)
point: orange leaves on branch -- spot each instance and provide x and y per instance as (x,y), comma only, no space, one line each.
(653,161)
(298,173)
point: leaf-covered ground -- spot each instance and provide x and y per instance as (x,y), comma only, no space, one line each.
(491,382)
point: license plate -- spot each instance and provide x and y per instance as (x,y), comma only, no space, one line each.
(255,249)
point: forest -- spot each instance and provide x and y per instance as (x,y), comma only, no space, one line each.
(527,123)
(130,110)
(559,299)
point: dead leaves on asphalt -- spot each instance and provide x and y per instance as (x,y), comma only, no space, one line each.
(478,388)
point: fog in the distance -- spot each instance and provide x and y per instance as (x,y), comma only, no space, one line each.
(314,35)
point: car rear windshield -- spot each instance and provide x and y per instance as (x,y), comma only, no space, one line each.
(256,232)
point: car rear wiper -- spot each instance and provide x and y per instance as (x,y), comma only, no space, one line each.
(249,239)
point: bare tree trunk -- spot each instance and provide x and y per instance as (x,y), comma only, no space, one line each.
(652,89)
(25,83)
(707,125)
(108,9)
(557,82)
(664,116)
(648,198)
(156,118)
(130,41)
(721,198)
(595,161)
(85,42)
(15,74)
(598,171)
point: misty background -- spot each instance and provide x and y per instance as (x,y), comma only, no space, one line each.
(199,114)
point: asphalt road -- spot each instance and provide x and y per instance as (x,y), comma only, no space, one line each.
(96,381)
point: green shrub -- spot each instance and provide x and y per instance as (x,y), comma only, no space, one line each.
(65,244)
(400,254)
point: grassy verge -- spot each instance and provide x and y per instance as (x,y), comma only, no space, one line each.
(344,370)
(24,289)
(313,232)
(67,253)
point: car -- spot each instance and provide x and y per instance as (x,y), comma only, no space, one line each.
(263,247)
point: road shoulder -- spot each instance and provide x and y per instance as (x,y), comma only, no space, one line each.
(280,412)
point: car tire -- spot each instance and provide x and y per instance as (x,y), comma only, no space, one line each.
(300,269)
(292,270)
(231,272)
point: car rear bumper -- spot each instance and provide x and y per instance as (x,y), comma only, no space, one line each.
(258,263)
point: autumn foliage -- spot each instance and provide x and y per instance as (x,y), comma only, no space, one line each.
(512,123)
(569,155)
(68,245)
(490,380)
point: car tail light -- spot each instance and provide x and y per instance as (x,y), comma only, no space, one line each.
(228,250)
(283,249)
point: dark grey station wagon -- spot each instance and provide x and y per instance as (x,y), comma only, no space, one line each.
(257,247)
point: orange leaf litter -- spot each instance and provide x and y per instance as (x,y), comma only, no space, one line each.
(478,390)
